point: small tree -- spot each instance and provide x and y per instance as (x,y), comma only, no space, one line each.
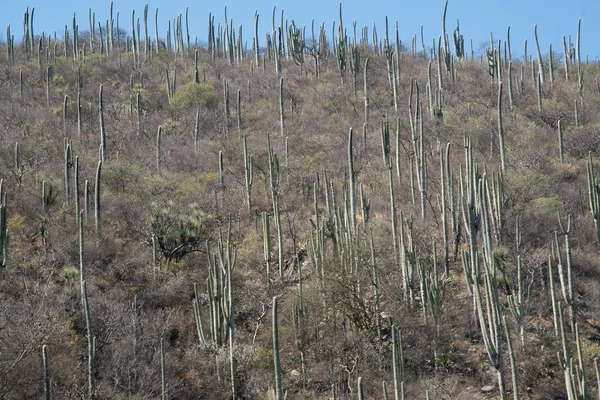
(178,234)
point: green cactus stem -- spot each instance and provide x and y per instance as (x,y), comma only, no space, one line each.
(97,213)
(47,380)
(276,360)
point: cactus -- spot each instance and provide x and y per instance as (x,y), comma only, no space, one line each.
(248,174)
(266,243)
(518,306)
(501,130)
(68,167)
(511,96)
(490,323)
(226,112)
(3,226)
(360,389)
(565,271)
(398,363)
(221,264)
(385,142)
(276,361)
(255,44)
(274,178)
(158,164)
(593,194)
(47,380)
(597,368)
(97,214)
(444,208)
(239,112)
(86,309)
(164,386)
(459,41)
(351,182)
(575,377)
(79,117)
(578,53)
(77,192)
(296,44)
(561,155)
(541,70)
(555,312)
(281,110)
(511,356)
(198,316)
(366,90)
(102,128)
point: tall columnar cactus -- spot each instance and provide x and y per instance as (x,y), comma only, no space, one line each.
(360,388)
(490,323)
(248,174)
(444,208)
(575,377)
(281,109)
(21,85)
(398,363)
(296,44)
(48,79)
(68,166)
(77,192)
(198,316)
(47,380)
(276,360)
(102,128)
(459,42)
(221,264)
(156,41)
(79,117)
(197,130)
(518,304)
(551,64)
(88,318)
(385,142)
(255,43)
(366,90)
(511,95)
(393,216)
(561,155)
(511,356)
(274,178)
(593,194)
(565,271)
(578,53)
(538,86)
(351,182)
(541,69)
(3,226)
(239,112)
(226,108)
(158,140)
(164,386)
(266,242)
(501,130)
(446,53)
(97,213)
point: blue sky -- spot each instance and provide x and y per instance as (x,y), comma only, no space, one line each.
(477,18)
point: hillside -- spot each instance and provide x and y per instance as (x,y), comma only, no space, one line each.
(323,217)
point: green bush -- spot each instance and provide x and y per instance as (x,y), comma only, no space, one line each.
(194,95)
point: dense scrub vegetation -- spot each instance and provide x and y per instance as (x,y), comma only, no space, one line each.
(318,216)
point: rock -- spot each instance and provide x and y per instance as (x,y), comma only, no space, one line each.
(488,389)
